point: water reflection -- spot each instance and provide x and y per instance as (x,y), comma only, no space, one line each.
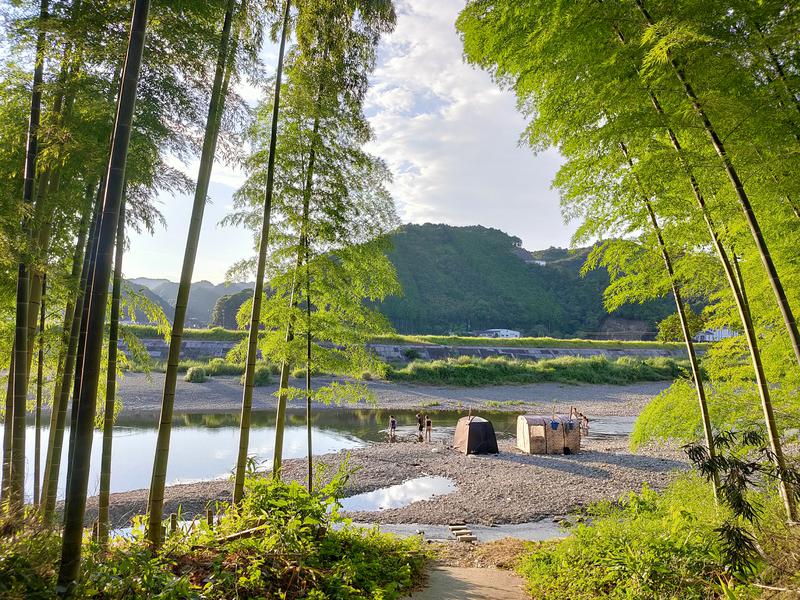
(396,496)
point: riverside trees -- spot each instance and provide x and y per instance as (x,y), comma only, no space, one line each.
(115,92)
(330,205)
(701,97)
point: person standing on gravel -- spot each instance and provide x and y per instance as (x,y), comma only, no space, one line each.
(428,428)
(392,428)
(420,425)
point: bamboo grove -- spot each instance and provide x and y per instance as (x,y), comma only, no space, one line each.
(679,124)
(101,99)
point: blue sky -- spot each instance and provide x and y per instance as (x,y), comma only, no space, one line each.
(450,136)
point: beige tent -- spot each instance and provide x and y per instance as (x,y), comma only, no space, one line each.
(548,435)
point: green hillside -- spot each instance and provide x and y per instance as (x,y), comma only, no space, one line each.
(465,279)
(458,279)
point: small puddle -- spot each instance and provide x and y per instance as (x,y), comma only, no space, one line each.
(397,496)
(611,427)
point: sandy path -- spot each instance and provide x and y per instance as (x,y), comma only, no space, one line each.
(142,394)
(469,583)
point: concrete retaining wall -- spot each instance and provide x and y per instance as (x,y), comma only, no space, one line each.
(204,349)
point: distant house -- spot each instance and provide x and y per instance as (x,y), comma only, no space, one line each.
(714,335)
(498,333)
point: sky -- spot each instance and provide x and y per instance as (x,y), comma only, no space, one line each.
(449,135)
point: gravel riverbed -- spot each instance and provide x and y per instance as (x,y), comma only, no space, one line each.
(510,487)
(141,393)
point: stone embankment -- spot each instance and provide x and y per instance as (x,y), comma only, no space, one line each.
(207,349)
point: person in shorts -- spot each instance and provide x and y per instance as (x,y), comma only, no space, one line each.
(420,425)
(392,428)
(428,428)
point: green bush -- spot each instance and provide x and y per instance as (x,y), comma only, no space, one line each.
(220,366)
(303,550)
(648,545)
(472,371)
(261,376)
(196,375)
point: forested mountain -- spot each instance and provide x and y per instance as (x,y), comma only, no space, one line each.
(461,279)
(227,307)
(471,278)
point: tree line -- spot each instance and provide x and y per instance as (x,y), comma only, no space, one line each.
(117,90)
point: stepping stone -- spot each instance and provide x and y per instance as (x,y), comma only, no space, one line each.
(467,538)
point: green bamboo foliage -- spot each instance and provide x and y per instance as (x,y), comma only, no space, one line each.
(111,384)
(258,291)
(155,507)
(75,504)
(738,186)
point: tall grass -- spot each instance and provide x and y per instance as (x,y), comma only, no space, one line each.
(470,371)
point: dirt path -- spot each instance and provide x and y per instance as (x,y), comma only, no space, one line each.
(470,583)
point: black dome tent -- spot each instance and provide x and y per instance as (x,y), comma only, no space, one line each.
(475,435)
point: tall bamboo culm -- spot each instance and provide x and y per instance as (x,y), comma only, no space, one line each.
(37,442)
(75,502)
(155,505)
(80,271)
(111,385)
(16,488)
(258,292)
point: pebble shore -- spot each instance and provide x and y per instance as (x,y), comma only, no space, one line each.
(510,487)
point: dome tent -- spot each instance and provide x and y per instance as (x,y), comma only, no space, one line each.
(475,435)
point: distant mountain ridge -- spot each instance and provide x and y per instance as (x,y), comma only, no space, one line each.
(464,279)
(202,297)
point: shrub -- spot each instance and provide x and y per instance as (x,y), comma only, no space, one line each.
(648,545)
(411,354)
(261,376)
(196,375)
(220,366)
(303,550)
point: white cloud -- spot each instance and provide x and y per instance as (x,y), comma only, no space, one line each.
(448,133)
(451,136)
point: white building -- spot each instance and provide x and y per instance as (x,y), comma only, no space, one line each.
(499,333)
(715,335)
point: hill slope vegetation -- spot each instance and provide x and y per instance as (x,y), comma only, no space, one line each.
(458,279)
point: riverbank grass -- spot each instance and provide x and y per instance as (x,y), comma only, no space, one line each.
(470,371)
(218,334)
